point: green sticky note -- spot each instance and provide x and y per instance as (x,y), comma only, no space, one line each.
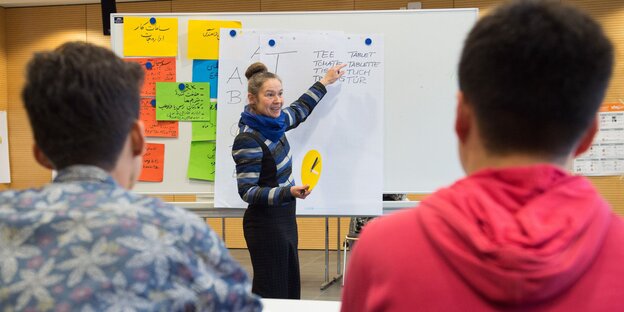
(183,101)
(202,160)
(206,130)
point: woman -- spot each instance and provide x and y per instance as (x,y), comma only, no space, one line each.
(264,175)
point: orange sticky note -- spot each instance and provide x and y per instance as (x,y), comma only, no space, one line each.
(156,70)
(153,163)
(153,127)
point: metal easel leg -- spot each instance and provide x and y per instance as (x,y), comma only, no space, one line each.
(338,268)
(328,282)
(223,229)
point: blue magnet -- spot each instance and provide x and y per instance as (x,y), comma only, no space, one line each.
(232,33)
(148,65)
(153,20)
(368,41)
(272,42)
(153,103)
(181,87)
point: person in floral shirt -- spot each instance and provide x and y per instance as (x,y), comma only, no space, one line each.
(85,242)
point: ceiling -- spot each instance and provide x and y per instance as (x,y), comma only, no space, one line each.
(27,3)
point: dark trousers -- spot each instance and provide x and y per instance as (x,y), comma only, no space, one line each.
(272,242)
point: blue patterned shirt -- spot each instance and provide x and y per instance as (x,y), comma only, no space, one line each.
(84,243)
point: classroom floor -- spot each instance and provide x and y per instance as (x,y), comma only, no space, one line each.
(312,266)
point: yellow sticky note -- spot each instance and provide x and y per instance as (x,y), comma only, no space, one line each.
(203,38)
(311,168)
(150,36)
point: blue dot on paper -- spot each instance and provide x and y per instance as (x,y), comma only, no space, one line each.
(368,41)
(272,42)
(153,103)
(153,20)
(232,33)
(181,86)
(148,65)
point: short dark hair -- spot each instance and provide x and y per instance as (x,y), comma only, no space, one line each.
(535,73)
(82,101)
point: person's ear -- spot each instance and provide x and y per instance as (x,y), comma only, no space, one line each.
(41,158)
(587,138)
(463,118)
(251,99)
(137,138)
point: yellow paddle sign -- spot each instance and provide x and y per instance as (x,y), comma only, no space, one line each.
(311,168)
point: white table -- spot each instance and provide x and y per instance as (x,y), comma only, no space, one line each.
(287,305)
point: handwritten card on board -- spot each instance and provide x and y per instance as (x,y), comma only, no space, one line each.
(206,130)
(150,36)
(203,38)
(183,101)
(155,69)
(153,163)
(154,128)
(207,71)
(202,160)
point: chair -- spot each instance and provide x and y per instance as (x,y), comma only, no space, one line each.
(350,240)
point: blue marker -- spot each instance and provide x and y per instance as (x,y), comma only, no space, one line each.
(148,65)
(153,20)
(232,33)
(368,41)
(181,87)
(153,103)
(272,42)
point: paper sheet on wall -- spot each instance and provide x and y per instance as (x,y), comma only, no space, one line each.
(153,127)
(150,36)
(202,161)
(346,127)
(206,130)
(606,155)
(207,71)
(153,163)
(5,168)
(203,38)
(155,69)
(183,101)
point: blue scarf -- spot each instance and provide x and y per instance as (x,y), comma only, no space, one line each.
(272,128)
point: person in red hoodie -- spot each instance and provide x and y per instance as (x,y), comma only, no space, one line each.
(519,232)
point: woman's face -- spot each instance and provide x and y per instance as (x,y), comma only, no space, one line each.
(269,100)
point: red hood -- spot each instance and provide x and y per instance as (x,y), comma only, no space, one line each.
(518,235)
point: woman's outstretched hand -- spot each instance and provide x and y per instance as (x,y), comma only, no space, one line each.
(333,74)
(300,191)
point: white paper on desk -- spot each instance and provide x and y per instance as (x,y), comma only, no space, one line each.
(5,169)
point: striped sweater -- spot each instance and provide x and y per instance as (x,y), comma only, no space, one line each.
(247,154)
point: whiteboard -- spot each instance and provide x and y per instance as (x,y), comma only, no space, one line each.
(422,49)
(345,128)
